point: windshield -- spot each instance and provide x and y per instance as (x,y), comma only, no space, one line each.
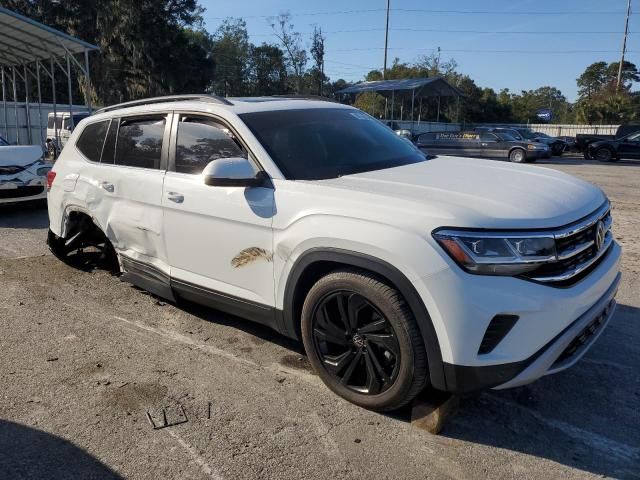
(505,137)
(320,143)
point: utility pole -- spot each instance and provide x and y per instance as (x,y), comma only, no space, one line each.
(386,42)
(624,45)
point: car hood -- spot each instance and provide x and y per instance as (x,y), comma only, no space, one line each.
(478,193)
(19,155)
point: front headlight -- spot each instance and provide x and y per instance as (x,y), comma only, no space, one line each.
(533,146)
(496,253)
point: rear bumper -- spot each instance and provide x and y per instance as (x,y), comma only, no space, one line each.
(563,351)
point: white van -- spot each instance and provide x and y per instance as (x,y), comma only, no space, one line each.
(59,128)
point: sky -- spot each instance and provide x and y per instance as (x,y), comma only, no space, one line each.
(514,44)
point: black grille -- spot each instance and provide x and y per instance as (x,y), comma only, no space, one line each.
(19,192)
(583,337)
(498,328)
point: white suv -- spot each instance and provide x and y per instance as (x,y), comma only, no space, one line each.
(396,271)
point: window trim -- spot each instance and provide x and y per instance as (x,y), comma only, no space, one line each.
(218,119)
(75,143)
(162,167)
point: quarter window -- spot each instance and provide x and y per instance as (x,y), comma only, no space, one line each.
(92,139)
(139,142)
(202,140)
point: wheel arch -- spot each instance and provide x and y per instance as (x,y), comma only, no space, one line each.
(316,262)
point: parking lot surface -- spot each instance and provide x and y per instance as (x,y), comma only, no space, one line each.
(85,357)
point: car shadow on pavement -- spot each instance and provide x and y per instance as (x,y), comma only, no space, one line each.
(261,331)
(585,418)
(29,453)
(28,216)
(582,161)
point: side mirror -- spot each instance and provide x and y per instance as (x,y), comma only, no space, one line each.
(233,172)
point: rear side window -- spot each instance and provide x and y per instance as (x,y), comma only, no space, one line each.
(139,142)
(202,140)
(92,139)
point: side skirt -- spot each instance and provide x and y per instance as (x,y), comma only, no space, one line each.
(149,278)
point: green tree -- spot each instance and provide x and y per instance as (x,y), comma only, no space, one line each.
(291,42)
(268,71)
(230,52)
(317,53)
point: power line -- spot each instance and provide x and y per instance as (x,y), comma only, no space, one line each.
(563,52)
(436,30)
(436,11)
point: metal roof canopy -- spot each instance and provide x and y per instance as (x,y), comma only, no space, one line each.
(25,47)
(417,87)
(414,88)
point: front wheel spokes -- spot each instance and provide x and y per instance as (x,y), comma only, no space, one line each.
(374,326)
(377,366)
(372,382)
(337,363)
(386,341)
(351,368)
(329,337)
(331,328)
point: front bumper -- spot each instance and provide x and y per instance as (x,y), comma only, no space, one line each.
(462,306)
(536,154)
(22,194)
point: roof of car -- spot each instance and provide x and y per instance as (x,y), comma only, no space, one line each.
(237,105)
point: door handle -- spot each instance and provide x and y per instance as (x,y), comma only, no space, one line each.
(107,186)
(175,197)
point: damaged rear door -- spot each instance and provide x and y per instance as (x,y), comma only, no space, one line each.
(219,239)
(130,179)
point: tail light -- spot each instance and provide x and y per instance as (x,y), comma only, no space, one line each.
(50,178)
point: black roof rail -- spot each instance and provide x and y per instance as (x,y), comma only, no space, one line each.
(168,98)
(306,97)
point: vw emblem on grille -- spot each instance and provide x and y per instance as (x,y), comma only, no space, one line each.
(600,235)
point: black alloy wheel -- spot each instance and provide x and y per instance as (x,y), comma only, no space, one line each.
(363,340)
(356,343)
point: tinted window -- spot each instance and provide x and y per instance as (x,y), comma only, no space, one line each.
(92,139)
(201,140)
(139,141)
(310,144)
(487,137)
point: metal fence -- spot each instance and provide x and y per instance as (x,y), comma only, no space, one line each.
(550,129)
(31,124)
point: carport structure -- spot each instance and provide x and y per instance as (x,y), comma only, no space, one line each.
(403,89)
(30,50)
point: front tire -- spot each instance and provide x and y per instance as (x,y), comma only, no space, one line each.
(517,155)
(604,155)
(363,341)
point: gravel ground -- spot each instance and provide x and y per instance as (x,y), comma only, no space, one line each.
(85,357)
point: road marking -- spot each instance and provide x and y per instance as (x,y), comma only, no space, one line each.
(177,337)
(195,457)
(594,440)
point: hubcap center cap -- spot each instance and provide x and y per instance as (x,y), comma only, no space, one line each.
(358,340)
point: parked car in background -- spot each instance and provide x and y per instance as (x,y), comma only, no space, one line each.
(23,173)
(614,150)
(556,146)
(398,273)
(583,140)
(59,128)
(495,144)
